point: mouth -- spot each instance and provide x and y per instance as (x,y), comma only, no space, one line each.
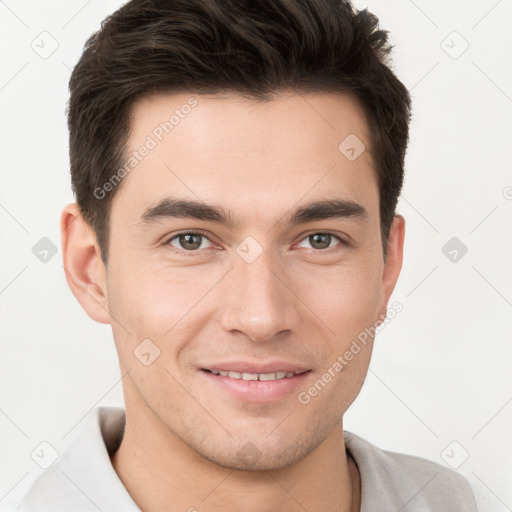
(256,376)
(252,386)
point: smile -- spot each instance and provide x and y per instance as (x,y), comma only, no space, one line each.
(256,376)
(256,387)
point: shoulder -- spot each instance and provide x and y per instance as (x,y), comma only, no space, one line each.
(396,480)
(83,477)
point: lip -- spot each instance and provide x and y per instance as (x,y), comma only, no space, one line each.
(257,367)
(255,391)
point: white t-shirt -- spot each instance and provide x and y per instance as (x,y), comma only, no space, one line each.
(84,480)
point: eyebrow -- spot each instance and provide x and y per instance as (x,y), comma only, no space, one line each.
(170,208)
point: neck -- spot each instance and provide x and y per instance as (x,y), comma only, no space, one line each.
(159,470)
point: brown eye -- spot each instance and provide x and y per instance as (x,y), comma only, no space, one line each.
(321,241)
(188,241)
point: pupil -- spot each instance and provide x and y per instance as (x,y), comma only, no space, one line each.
(316,240)
(187,241)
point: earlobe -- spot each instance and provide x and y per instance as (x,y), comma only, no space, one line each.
(85,271)
(393,263)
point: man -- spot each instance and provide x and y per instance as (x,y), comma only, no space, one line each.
(236,166)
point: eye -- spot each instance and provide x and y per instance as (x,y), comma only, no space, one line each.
(320,241)
(190,241)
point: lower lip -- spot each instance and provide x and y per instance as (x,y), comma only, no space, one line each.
(258,390)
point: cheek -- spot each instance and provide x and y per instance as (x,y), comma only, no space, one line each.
(148,297)
(156,303)
(345,298)
(141,306)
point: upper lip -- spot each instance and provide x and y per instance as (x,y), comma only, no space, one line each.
(249,367)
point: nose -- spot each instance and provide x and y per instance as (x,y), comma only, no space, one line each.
(258,301)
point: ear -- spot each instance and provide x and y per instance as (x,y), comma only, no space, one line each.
(85,271)
(393,263)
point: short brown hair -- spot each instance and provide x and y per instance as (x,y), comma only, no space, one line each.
(253,47)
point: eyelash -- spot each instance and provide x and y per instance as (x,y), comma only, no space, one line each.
(196,252)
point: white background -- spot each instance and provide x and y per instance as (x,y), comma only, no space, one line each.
(441,369)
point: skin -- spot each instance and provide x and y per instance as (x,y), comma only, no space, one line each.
(184,439)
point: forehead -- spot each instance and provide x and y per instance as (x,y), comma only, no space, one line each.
(216,119)
(249,155)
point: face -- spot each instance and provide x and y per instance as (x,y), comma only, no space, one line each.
(246,241)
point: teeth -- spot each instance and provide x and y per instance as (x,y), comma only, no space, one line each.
(254,376)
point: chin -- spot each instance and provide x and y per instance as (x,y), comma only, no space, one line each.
(259,456)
